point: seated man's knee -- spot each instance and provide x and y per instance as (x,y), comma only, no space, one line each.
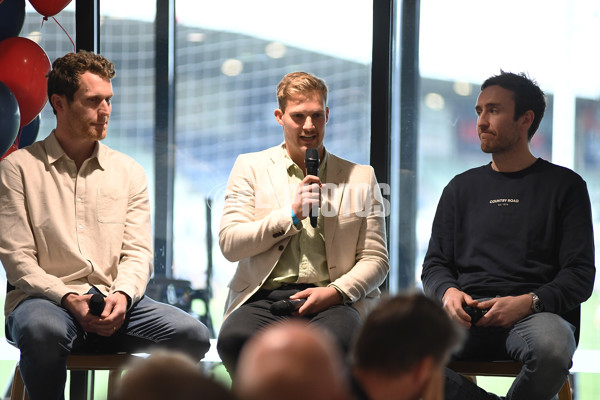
(45,341)
(552,353)
(41,333)
(556,346)
(192,337)
(229,347)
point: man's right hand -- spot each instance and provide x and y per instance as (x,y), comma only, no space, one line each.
(308,195)
(453,301)
(106,324)
(79,307)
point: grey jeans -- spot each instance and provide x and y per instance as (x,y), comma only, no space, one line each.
(544,343)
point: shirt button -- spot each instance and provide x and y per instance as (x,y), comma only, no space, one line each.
(80,226)
(281,247)
(79,199)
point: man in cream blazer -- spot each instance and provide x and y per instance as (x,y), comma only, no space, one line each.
(337,266)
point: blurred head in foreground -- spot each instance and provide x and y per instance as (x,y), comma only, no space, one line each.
(403,348)
(168,375)
(291,360)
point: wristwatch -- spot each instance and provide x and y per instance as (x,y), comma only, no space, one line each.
(536,305)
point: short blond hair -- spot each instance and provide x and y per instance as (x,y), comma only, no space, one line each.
(299,83)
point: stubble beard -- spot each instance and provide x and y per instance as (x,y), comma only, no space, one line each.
(95,135)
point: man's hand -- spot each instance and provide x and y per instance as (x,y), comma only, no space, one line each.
(108,322)
(453,302)
(308,195)
(505,311)
(317,299)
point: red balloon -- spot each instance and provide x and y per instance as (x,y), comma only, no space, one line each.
(10,150)
(49,8)
(23,68)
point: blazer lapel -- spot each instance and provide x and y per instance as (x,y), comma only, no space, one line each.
(279,178)
(332,202)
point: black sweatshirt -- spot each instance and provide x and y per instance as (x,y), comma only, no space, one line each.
(507,234)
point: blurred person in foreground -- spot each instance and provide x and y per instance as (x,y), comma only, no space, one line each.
(513,240)
(291,360)
(402,350)
(168,375)
(76,222)
(337,266)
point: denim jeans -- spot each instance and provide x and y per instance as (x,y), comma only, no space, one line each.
(46,334)
(544,343)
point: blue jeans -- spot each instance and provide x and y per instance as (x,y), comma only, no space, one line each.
(544,343)
(46,334)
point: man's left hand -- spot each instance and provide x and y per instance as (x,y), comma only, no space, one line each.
(317,299)
(505,311)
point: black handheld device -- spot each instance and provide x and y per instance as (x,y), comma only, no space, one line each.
(286,307)
(475,313)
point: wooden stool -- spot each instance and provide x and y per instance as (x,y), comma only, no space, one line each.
(84,365)
(472,369)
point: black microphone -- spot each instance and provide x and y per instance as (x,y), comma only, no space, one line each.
(286,307)
(311,161)
(96,304)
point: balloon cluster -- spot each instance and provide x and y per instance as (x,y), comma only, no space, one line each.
(23,69)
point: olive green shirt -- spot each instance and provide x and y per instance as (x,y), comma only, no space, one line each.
(304,259)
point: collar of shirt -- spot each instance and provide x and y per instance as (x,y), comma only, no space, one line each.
(56,152)
(289,163)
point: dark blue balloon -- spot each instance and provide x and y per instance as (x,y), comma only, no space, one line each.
(10,118)
(29,132)
(12,17)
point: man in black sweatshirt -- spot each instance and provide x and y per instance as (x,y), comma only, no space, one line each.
(514,238)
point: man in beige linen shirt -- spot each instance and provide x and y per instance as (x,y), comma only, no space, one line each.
(76,221)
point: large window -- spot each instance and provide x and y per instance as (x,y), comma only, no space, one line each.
(464,42)
(127,39)
(229,57)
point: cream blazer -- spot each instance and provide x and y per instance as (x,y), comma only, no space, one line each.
(256,226)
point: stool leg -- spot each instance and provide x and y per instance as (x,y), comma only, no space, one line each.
(565,391)
(79,385)
(92,385)
(18,386)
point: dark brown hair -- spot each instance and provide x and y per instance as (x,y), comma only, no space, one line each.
(63,78)
(401,331)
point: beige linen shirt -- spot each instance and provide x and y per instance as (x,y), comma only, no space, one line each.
(64,230)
